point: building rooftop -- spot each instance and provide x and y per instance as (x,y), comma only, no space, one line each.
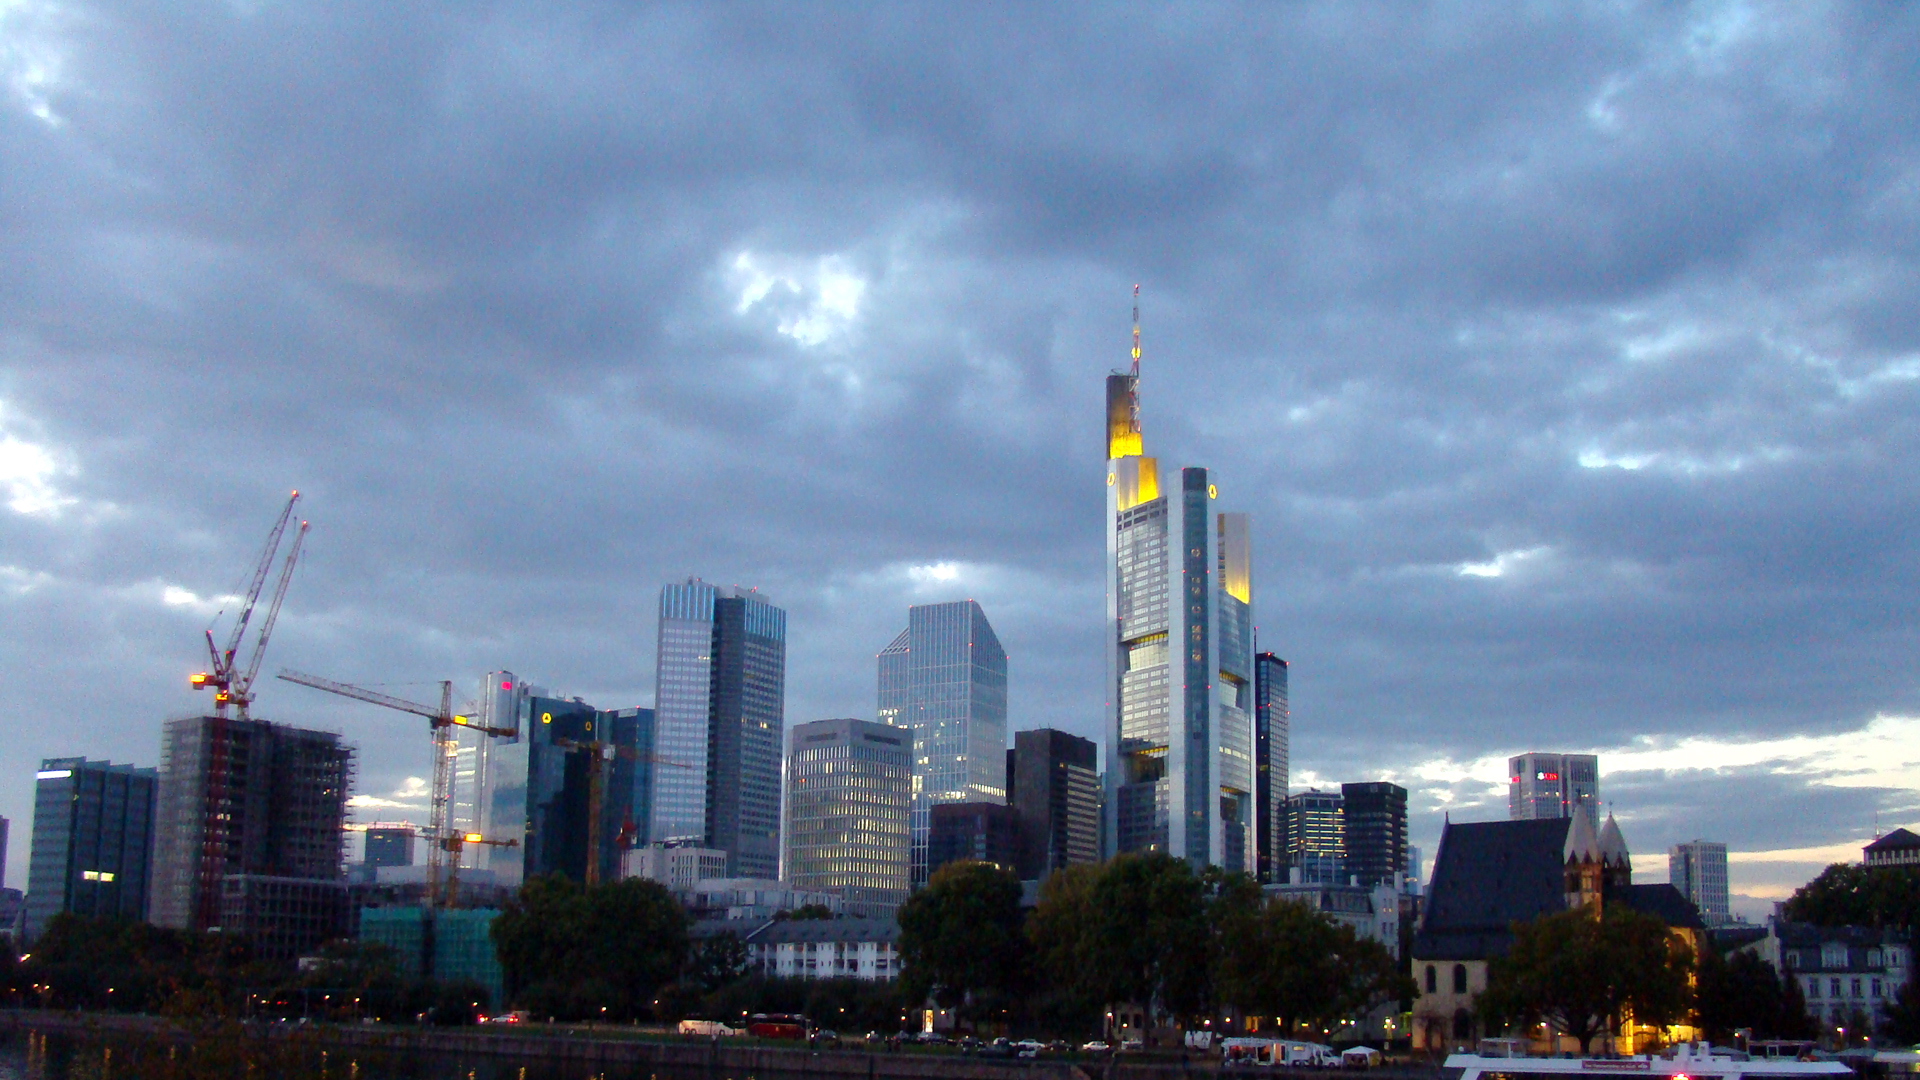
(1663,902)
(1487,876)
(791,931)
(1897,840)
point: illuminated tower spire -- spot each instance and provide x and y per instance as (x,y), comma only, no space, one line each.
(1123,400)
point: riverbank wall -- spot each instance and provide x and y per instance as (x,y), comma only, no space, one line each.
(719,1059)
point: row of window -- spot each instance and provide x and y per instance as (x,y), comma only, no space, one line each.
(1834,986)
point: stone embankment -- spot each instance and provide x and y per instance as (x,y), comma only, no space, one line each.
(683,1059)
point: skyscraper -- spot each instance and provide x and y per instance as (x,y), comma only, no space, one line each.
(1316,838)
(390,845)
(1180,657)
(849,791)
(249,831)
(1375,820)
(1272,730)
(1698,869)
(92,835)
(1055,787)
(1543,785)
(719,718)
(945,679)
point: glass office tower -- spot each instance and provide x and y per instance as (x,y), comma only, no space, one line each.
(92,834)
(849,791)
(1180,655)
(945,679)
(1316,838)
(719,723)
(1546,785)
(1272,727)
(1698,869)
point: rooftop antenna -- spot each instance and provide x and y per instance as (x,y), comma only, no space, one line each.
(1133,399)
(1136,331)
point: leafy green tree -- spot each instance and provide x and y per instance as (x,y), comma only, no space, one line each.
(961,937)
(1584,975)
(1284,959)
(1743,991)
(716,960)
(805,911)
(573,952)
(1130,930)
(1901,1020)
(1846,894)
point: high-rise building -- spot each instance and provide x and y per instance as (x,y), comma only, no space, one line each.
(1545,785)
(719,716)
(1272,730)
(92,836)
(1375,821)
(849,793)
(1316,838)
(249,832)
(1054,782)
(1698,869)
(1180,654)
(3,853)
(981,832)
(945,679)
(390,845)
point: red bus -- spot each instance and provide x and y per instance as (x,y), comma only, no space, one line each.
(778,1026)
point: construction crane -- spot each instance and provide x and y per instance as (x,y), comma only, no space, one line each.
(601,752)
(453,843)
(230,686)
(441,723)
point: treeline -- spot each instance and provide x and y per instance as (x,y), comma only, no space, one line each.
(122,965)
(1144,929)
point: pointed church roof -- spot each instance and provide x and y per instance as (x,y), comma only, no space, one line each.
(1613,846)
(1581,844)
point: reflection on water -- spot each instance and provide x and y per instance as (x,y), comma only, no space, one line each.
(233,1056)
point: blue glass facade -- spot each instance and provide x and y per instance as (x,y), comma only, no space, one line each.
(92,840)
(945,679)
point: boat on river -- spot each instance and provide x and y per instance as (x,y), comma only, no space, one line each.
(1683,1061)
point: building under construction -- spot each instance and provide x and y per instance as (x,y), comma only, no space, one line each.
(249,837)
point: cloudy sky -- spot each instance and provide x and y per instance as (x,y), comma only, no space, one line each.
(1567,360)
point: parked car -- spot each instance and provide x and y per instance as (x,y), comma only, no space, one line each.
(1095,1046)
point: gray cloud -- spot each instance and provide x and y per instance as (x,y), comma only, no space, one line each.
(1628,288)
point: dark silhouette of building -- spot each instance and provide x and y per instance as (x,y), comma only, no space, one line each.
(1272,731)
(1054,784)
(92,838)
(985,832)
(1376,831)
(390,845)
(260,801)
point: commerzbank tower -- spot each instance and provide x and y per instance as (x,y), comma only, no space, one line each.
(1180,738)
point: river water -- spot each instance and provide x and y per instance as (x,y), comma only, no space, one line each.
(30,1056)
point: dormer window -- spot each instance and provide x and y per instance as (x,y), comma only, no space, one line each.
(1873,957)
(1793,958)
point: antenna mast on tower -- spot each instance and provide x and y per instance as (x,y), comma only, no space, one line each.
(1133,399)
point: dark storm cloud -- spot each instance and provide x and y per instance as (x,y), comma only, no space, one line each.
(541,310)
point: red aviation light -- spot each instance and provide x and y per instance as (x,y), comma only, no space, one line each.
(506,686)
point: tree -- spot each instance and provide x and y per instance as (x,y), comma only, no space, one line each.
(1585,974)
(716,960)
(961,936)
(574,952)
(1902,1017)
(1846,894)
(1284,959)
(1130,930)
(1743,991)
(805,911)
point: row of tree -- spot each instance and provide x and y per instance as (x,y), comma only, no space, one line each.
(1143,929)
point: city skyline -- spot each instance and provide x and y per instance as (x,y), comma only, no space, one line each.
(1563,364)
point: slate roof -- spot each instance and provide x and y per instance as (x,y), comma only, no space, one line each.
(1663,902)
(849,930)
(1488,875)
(1897,840)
